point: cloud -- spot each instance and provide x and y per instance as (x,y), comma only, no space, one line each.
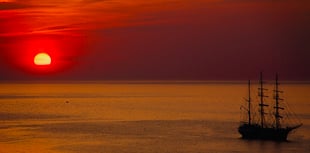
(92,1)
(13,5)
(165,31)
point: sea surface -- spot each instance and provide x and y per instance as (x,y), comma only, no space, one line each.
(139,117)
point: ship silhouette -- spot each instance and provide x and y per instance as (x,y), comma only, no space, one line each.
(265,126)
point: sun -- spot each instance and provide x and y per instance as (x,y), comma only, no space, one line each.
(42,59)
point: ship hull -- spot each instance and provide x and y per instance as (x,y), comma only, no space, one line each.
(257,132)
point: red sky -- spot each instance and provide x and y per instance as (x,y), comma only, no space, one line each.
(155,39)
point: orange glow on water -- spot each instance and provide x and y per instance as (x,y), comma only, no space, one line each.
(42,117)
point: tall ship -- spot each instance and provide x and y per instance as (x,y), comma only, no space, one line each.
(263,125)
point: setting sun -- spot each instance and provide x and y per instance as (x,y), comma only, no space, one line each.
(42,59)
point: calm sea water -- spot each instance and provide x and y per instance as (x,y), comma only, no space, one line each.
(137,117)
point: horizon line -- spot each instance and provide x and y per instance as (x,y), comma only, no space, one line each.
(150,81)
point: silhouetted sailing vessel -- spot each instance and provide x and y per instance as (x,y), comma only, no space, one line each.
(257,127)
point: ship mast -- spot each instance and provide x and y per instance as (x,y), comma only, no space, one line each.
(261,95)
(249,102)
(276,107)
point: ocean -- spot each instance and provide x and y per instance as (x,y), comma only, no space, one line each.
(139,117)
